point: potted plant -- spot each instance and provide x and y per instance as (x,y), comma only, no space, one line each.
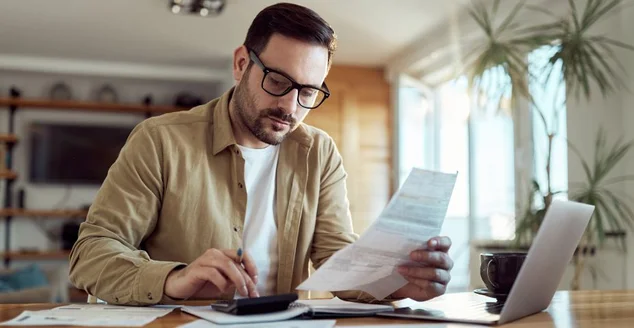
(583,59)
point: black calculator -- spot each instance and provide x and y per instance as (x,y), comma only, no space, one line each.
(255,305)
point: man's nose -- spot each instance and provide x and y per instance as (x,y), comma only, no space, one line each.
(288,102)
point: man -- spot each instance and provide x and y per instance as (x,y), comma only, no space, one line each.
(242,172)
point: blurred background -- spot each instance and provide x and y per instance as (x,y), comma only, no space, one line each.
(527,101)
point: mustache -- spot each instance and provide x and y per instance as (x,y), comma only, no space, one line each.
(279,114)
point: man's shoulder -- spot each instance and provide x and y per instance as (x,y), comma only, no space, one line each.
(318,137)
(194,116)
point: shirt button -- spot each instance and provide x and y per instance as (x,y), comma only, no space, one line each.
(236,229)
(240,185)
(149,296)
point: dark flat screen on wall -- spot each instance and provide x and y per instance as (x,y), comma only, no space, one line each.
(74,154)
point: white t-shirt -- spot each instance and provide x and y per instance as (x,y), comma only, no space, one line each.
(260,228)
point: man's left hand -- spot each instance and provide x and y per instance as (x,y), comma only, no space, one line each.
(429,275)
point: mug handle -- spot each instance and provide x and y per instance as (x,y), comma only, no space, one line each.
(489,277)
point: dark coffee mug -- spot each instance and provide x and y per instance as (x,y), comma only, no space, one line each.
(499,270)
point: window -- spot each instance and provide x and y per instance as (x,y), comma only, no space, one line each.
(444,134)
(415,128)
(492,163)
(452,130)
(549,95)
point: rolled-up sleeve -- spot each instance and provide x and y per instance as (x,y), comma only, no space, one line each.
(106,260)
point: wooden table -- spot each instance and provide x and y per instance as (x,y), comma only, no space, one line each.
(568,309)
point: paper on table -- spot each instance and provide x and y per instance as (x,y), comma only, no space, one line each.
(411,218)
(277,324)
(336,305)
(89,315)
(207,313)
(415,325)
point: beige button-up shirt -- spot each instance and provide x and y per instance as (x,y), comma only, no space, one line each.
(177,189)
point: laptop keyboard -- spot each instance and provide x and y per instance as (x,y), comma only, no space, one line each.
(472,310)
(481,310)
(491,308)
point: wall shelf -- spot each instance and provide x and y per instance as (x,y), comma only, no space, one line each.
(86,106)
(8,138)
(35,255)
(65,214)
(8,175)
(14,103)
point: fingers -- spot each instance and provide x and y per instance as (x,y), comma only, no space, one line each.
(251,285)
(432,258)
(228,267)
(247,261)
(429,274)
(439,243)
(216,278)
(428,289)
(249,265)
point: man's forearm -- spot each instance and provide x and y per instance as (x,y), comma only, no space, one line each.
(111,270)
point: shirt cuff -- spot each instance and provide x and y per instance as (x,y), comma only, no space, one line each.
(151,282)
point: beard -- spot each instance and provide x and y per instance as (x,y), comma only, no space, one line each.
(258,120)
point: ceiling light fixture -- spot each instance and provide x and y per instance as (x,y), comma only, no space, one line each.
(202,8)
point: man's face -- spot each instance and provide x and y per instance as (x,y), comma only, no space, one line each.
(270,118)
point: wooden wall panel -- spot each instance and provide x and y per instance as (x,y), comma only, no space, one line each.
(357,116)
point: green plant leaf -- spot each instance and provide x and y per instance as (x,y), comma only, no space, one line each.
(611,159)
(574,14)
(496,5)
(610,216)
(584,164)
(578,50)
(604,45)
(595,11)
(626,214)
(542,10)
(616,43)
(597,220)
(614,180)
(511,16)
(606,66)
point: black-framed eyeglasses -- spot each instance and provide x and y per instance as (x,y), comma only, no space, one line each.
(279,84)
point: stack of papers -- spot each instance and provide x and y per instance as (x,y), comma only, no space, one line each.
(282,324)
(89,315)
(304,308)
(336,306)
(413,216)
(209,314)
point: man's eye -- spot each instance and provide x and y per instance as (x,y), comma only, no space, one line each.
(308,92)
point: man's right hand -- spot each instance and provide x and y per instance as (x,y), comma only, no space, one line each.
(212,274)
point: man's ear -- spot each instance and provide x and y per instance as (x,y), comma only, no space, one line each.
(240,63)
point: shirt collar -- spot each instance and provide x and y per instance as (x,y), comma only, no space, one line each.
(223,133)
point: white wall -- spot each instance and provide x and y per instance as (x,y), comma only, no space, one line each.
(615,114)
(28,233)
(627,105)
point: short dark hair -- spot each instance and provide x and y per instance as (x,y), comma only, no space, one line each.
(293,21)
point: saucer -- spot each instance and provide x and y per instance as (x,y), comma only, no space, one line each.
(486,292)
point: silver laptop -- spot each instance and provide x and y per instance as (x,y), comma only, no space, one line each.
(537,281)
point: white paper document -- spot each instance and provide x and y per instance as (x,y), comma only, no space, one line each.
(338,306)
(278,324)
(89,315)
(209,314)
(413,216)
